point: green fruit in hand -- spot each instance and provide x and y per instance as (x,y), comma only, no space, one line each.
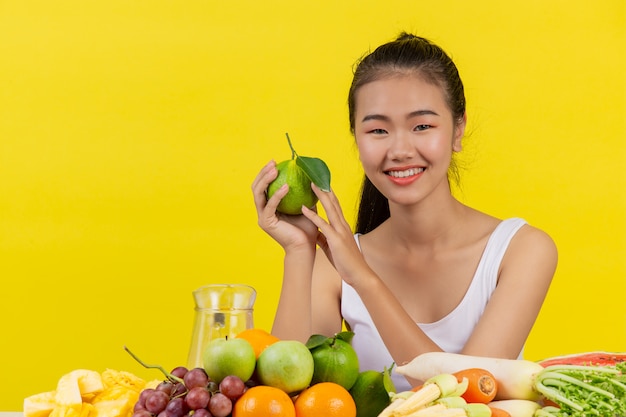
(224,356)
(369,393)
(335,361)
(286,365)
(300,192)
(298,173)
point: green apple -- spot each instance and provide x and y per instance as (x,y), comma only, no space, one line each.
(286,365)
(224,356)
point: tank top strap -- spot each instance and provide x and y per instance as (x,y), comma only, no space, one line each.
(496,247)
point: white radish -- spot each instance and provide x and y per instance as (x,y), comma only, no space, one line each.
(515,377)
(517,408)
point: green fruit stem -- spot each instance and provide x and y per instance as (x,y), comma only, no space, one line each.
(169,376)
(293,151)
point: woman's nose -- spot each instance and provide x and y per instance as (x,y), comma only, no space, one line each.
(401,147)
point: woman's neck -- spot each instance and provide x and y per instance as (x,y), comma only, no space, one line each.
(432,224)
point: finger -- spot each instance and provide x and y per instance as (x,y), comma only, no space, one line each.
(321,224)
(268,207)
(331,206)
(267,174)
(261,182)
(323,244)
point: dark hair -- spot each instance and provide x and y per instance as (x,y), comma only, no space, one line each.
(407,54)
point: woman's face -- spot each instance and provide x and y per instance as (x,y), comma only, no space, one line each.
(406,135)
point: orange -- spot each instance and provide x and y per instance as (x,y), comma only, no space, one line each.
(264,401)
(258,338)
(327,399)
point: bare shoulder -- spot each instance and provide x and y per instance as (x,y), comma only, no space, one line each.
(529,237)
(532,249)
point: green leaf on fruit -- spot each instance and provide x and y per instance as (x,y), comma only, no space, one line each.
(387,381)
(345,336)
(316,170)
(315,341)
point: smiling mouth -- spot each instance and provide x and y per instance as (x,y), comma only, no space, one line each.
(405,173)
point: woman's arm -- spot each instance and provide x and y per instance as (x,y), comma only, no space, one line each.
(525,275)
(403,338)
(297,236)
(293,315)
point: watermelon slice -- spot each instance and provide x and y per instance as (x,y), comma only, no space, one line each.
(597,358)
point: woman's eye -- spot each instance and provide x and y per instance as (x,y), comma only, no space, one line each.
(422,127)
(378,131)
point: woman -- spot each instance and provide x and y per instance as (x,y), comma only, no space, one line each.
(423,272)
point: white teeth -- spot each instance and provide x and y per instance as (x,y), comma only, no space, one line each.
(405,173)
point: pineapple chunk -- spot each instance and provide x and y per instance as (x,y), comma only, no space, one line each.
(73,386)
(116,401)
(122,407)
(89,382)
(85,393)
(39,405)
(67,411)
(112,378)
(115,393)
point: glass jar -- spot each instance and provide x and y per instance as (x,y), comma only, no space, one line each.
(221,310)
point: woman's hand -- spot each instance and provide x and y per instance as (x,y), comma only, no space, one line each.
(288,231)
(336,238)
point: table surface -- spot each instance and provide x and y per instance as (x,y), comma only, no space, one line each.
(11,414)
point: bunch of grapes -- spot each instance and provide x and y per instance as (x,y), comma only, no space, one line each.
(190,392)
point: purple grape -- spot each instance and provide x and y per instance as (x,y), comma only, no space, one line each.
(220,405)
(138,407)
(142,413)
(179,389)
(202,412)
(176,407)
(197,398)
(143,395)
(196,377)
(179,371)
(232,386)
(165,386)
(156,402)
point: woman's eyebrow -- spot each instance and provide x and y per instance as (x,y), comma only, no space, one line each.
(422,113)
(368,117)
(384,118)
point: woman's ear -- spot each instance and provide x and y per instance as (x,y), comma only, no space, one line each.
(459,131)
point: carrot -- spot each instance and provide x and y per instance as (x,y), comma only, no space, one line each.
(515,377)
(482,386)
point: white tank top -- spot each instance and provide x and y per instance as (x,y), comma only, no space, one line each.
(452,331)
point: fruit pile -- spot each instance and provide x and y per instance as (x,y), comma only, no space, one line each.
(252,374)
(256,374)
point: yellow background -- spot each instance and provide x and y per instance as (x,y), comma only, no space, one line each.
(130,132)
